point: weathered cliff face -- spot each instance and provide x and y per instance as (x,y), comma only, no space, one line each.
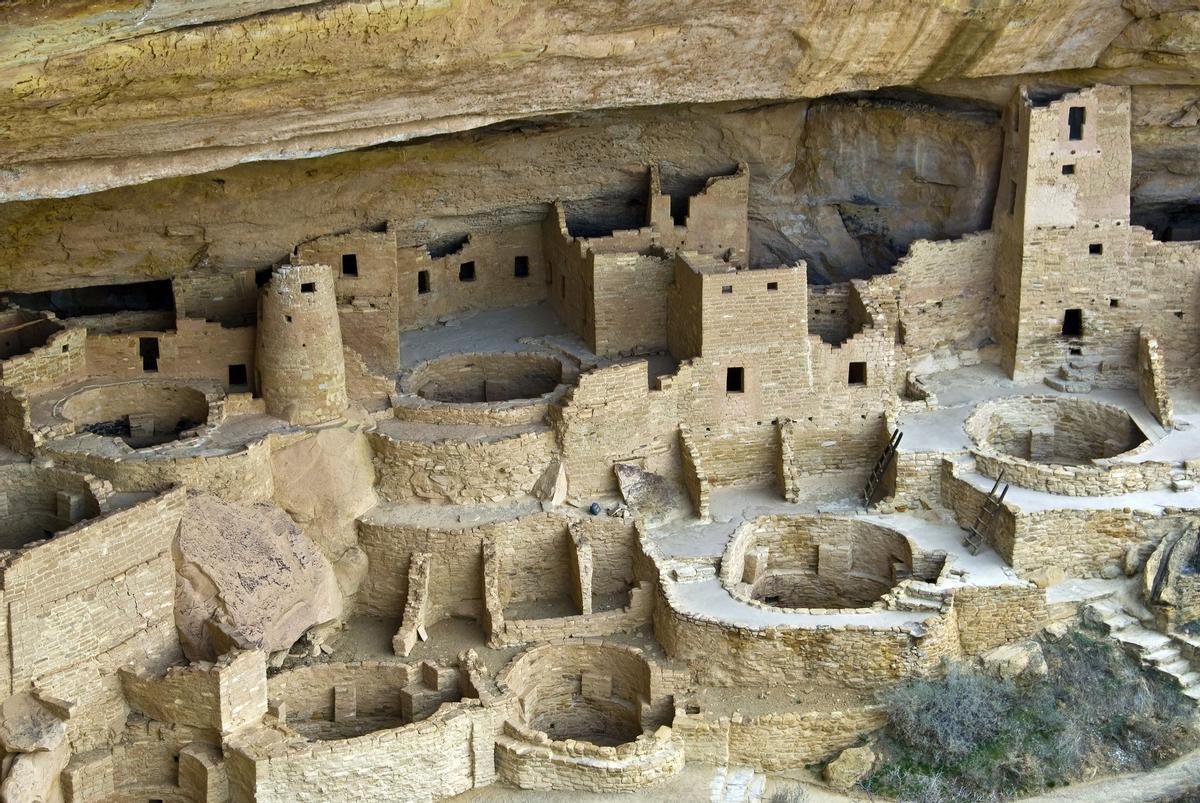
(102,94)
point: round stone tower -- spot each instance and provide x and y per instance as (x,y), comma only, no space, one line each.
(300,368)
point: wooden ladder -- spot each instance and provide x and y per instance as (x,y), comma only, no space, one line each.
(977,534)
(881,465)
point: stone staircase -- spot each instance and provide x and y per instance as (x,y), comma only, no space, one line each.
(1158,652)
(1077,376)
(737,785)
(915,595)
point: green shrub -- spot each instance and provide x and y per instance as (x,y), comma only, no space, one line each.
(790,794)
(972,737)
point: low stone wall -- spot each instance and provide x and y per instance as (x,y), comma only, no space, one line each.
(61,357)
(837,563)
(409,407)
(1096,479)
(695,477)
(442,756)
(529,759)
(485,377)
(1062,446)
(773,742)
(220,697)
(989,616)
(307,692)
(242,475)
(460,471)
(859,656)
(1081,542)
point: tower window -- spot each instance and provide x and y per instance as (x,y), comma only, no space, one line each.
(1096,248)
(1072,323)
(308,287)
(1068,170)
(857,374)
(148,351)
(1076,117)
(735,380)
(772,285)
(349,264)
(237,374)
(422,282)
(521,267)
(466,272)
(727,289)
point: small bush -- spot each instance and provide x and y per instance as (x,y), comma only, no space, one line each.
(791,794)
(969,737)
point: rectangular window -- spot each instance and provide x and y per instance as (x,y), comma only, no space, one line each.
(308,287)
(772,285)
(349,264)
(1072,323)
(148,351)
(520,267)
(237,374)
(1096,248)
(858,373)
(1113,302)
(422,282)
(466,272)
(727,289)
(735,380)
(1068,170)
(1076,117)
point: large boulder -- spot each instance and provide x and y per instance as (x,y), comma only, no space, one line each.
(325,481)
(850,767)
(1019,659)
(247,577)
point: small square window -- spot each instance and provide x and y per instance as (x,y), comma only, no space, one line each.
(66,348)
(349,264)
(1096,248)
(466,272)
(288,318)
(735,380)
(858,373)
(772,285)
(1068,170)
(422,282)
(727,289)
(237,374)
(520,267)
(308,287)
(1113,302)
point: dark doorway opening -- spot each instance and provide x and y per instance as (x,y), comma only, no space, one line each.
(735,380)
(422,282)
(148,351)
(237,374)
(466,272)
(1072,323)
(520,267)
(858,373)
(349,264)
(1076,117)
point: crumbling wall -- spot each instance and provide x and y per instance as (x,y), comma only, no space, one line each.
(197,349)
(90,601)
(496,285)
(220,697)
(1152,379)
(989,616)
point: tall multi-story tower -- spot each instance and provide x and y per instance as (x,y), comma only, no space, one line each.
(1063,269)
(300,367)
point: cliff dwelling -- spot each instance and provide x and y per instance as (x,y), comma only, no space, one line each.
(422,401)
